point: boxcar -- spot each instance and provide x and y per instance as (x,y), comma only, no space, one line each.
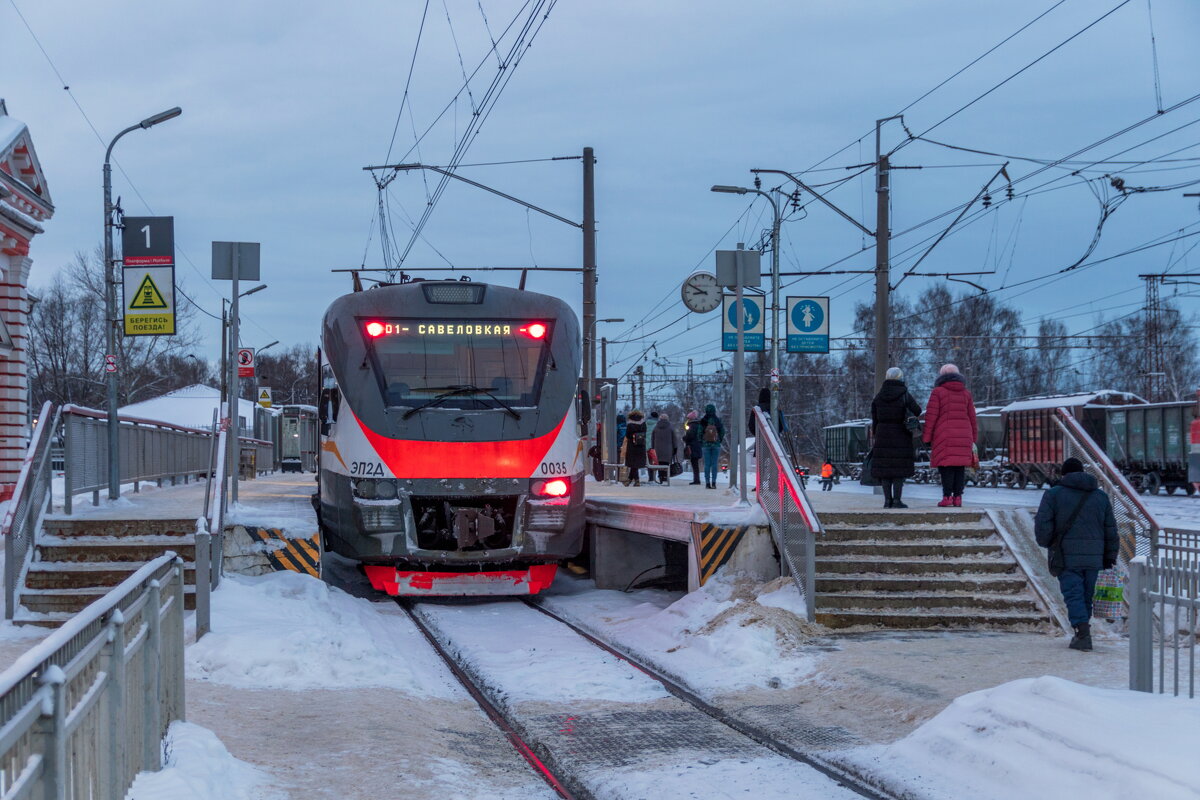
(847,443)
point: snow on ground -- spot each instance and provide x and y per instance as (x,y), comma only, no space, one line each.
(286,515)
(285,630)
(198,767)
(501,640)
(731,634)
(1047,737)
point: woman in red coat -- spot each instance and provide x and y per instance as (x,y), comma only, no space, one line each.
(950,427)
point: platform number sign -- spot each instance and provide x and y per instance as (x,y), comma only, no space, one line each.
(148,258)
(245,362)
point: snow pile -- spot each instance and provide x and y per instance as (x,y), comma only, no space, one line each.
(285,630)
(198,767)
(1046,737)
(279,515)
(732,633)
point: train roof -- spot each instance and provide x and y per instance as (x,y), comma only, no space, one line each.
(1100,397)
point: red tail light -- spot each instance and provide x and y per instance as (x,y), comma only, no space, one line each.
(555,488)
(374,329)
(536,330)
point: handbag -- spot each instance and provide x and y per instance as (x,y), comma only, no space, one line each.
(1109,600)
(651,456)
(675,469)
(866,478)
(912,421)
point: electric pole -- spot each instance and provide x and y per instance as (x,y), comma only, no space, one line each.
(883,237)
(589,265)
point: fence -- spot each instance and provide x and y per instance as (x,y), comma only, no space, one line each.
(1164,601)
(30,501)
(148,451)
(83,712)
(794,524)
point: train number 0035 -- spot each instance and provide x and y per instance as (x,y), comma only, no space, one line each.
(366,468)
(554,468)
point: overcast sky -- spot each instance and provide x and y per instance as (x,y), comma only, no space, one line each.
(285,102)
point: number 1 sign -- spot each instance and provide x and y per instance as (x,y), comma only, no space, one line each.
(148,254)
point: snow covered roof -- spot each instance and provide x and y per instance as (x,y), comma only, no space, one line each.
(1098,397)
(854,423)
(191,406)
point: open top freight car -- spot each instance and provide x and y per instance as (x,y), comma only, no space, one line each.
(1033,439)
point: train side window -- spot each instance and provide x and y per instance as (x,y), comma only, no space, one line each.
(330,400)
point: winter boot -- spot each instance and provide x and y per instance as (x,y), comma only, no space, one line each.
(947,502)
(899,504)
(957,501)
(1083,637)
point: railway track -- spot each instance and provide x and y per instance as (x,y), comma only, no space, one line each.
(571,767)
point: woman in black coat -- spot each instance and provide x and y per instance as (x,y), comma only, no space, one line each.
(635,446)
(893,455)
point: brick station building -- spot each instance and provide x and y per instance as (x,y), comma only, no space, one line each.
(24,206)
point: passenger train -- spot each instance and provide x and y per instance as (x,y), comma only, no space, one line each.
(451,450)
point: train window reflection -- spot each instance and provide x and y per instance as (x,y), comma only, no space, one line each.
(425,358)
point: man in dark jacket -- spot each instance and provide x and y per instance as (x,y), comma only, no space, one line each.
(712,433)
(1075,522)
(691,444)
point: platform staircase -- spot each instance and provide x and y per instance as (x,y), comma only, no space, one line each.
(77,561)
(921,569)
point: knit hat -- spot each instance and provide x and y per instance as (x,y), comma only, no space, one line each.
(947,369)
(894,374)
(1072,465)
(692,415)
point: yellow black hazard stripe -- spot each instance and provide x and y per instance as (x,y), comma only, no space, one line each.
(715,546)
(297,555)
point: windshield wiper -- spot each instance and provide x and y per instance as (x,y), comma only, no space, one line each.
(453,391)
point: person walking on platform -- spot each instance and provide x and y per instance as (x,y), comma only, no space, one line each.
(667,446)
(691,444)
(893,457)
(712,433)
(1075,523)
(635,446)
(827,477)
(951,428)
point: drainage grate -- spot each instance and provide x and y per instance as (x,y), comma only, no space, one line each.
(623,738)
(796,729)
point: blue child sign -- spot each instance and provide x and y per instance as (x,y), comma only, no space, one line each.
(752,323)
(808,324)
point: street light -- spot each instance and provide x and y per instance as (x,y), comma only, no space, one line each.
(776,412)
(110,299)
(265,346)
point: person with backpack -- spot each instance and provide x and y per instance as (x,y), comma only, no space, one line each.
(692,432)
(712,433)
(1075,523)
(635,446)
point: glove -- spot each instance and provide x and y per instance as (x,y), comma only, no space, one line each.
(1109,563)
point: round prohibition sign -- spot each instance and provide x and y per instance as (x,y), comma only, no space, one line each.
(245,358)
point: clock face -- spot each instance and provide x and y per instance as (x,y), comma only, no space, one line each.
(700,292)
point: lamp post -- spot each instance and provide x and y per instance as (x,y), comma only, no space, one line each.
(110,299)
(776,412)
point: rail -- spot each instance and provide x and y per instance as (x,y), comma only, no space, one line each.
(794,523)
(1164,603)
(83,712)
(210,532)
(30,501)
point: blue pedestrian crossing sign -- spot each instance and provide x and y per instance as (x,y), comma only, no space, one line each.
(752,323)
(808,324)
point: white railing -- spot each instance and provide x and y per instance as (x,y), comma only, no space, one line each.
(1164,605)
(30,502)
(84,711)
(794,524)
(210,534)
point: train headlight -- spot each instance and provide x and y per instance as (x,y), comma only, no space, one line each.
(385,490)
(559,487)
(365,489)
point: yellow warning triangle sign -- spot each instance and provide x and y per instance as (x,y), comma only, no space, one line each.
(147,296)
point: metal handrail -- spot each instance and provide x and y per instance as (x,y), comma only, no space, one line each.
(30,501)
(794,524)
(210,534)
(1139,531)
(1164,604)
(84,711)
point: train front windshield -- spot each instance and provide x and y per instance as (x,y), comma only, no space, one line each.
(418,359)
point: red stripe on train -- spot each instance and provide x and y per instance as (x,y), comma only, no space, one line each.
(398,582)
(411,458)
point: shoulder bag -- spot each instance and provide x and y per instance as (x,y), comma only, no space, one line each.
(866,478)
(1058,564)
